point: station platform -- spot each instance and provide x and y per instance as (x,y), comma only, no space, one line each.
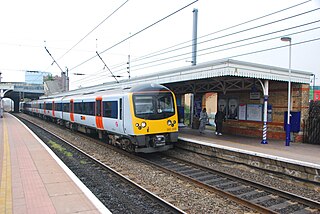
(298,160)
(34,179)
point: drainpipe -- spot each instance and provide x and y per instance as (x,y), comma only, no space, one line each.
(194,36)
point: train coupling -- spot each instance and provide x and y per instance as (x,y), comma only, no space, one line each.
(159,140)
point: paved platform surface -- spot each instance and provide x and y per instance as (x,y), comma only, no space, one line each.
(299,153)
(33,180)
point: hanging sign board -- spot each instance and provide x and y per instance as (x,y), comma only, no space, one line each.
(255,95)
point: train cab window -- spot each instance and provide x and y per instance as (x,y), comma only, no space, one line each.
(153,107)
(110,109)
(143,105)
(165,104)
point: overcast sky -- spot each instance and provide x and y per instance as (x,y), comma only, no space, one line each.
(74,30)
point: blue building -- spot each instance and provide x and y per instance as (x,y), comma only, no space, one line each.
(35,77)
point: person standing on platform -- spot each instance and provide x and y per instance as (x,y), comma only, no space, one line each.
(203,120)
(219,118)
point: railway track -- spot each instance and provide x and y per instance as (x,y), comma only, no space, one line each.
(254,195)
(118,193)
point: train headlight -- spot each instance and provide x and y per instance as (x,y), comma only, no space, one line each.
(169,122)
(137,124)
(143,124)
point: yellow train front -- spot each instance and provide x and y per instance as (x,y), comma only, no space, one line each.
(154,118)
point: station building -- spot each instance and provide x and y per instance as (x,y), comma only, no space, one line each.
(244,109)
(249,94)
(238,87)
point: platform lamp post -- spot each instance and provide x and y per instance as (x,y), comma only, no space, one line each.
(288,126)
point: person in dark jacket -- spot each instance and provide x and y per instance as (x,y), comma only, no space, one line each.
(219,118)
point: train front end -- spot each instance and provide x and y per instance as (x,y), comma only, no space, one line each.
(155,118)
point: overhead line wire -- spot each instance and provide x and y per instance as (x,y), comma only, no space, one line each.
(224,36)
(241,40)
(140,31)
(238,32)
(207,53)
(160,52)
(228,28)
(269,49)
(93,29)
(237,25)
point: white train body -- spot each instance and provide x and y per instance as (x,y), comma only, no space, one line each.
(139,119)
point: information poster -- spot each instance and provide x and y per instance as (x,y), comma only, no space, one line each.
(233,109)
(254,112)
(222,104)
(242,111)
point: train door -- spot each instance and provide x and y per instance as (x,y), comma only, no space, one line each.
(120,123)
(71,110)
(98,113)
(53,109)
(44,108)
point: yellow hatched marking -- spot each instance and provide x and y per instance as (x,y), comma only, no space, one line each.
(6,185)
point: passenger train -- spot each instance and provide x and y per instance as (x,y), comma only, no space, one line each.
(140,119)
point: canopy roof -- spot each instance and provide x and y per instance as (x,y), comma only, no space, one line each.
(218,68)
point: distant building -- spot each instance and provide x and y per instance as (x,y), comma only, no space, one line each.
(315,93)
(56,84)
(35,77)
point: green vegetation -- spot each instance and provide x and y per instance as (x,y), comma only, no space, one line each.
(83,162)
(59,148)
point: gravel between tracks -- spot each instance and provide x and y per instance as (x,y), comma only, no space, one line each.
(182,194)
(308,190)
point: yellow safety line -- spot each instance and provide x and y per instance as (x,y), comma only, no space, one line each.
(6,182)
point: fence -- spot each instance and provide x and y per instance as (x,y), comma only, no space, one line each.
(311,133)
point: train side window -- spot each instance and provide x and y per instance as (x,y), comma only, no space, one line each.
(110,109)
(76,108)
(98,107)
(49,106)
(66,107)
(59,106)
(88,108)
(83,107)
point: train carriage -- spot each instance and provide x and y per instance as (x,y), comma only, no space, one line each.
(139,119)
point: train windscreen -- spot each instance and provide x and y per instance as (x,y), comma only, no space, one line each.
(153,107)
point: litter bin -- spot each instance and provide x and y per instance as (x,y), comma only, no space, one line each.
(195,123)
(295,118)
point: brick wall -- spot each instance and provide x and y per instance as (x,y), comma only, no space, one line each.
(278,98)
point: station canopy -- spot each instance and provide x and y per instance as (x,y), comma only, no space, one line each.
(217,68)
